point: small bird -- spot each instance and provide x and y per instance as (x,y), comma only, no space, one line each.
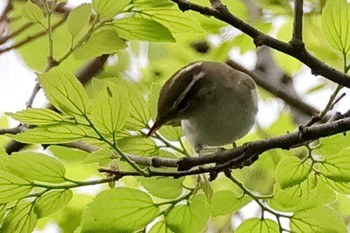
(214,103)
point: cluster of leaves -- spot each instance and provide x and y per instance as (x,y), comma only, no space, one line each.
(309,190)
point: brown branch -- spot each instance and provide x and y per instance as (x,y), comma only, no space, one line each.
(297,38)
(317,67)
(14,130)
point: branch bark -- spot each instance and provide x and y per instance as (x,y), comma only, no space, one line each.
(299,52)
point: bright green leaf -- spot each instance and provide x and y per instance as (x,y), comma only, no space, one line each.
(21,219)
(336,24)
(65,92)
(31,12)
(163,187)
(160,227)
(111,109)
(308,194)
(337,166)
(138,145)
(78,18)
(38,116)
(224,202)
(119,210)
(108,8)
(139,112)
(68,154)
(52,201)
(37,166)
(55,134)
(101,156)
(291,171)
(189,218)
(142,29)
(316,220)
(101,42)
(257,225)
(171,133)
(175,20)
(12,187)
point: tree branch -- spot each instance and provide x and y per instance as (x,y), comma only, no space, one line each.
(317,67)
(297,38)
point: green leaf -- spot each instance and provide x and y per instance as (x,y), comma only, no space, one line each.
(171,133)
(175,20)
(21,219)
(319,219)
(78,19)
(101,156)
(111,109)
(225,201)
(139,112)
(65,92)
(37,166)
(52,201)
(189,218)
(163,187)
(291,171)
(142,29)
(101,42)
(38,116)
(109,8)
(160,227)
(12,187)
(336,24)
(119,210)
(153,99)
(31,12)
(337,166)
(55,134)
(138,145)
(257,225)
(308,194)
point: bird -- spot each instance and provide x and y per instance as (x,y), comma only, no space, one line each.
(214,103)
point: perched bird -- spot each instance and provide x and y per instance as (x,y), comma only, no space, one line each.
(215,104)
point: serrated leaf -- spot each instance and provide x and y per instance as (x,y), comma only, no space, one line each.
(336,24)
(12,187)
(38,116)
(139,145)
(31,12)
(139,112)
(163,187)
(142,29)
(160,227)
(336,166)
(308,194)
(52,201)
(101,42)
(225,201)
(175,20)
(78,18)
(189,218)
(171,133)
(65,92)
(120,209)
(109,8)
(21,219)
(316,220)
(257,225)
(56,134)
(291,171)
(111,109)
(37,166)
(99,156)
